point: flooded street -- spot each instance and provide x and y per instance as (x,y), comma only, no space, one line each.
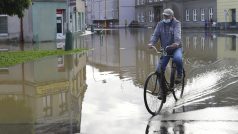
(101,91)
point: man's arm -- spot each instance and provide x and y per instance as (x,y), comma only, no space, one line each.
(155,36)
(177,34)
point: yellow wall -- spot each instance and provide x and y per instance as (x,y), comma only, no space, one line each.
(226,4)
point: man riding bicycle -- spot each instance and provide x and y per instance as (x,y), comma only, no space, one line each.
(169,32)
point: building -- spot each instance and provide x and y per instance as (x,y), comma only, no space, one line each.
(227,15)
(10,28)
(199,13)
(102,12)
(45,25)
(49,23)
(110,13)
(149,12)
(191,13)
(126,12)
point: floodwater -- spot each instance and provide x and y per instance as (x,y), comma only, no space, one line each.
(101,91)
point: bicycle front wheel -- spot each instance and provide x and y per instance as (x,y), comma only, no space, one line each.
(151,91)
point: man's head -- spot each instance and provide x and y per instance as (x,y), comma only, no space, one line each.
(168,15)
(168,12)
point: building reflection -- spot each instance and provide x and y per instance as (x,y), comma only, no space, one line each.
(44,96)
(227,47)
(200,47)
(165,127)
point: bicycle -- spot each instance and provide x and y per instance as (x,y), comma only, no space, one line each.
(157,81)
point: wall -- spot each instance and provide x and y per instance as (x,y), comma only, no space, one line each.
(226,4)
(44,20)
(126,12)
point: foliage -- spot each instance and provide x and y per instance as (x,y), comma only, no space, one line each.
(16,57)
(14,7)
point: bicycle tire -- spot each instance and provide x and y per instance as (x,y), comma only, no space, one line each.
(178,89)
(151,90)
(183,83)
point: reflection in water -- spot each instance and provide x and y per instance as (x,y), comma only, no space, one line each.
(43,96)
(191,127)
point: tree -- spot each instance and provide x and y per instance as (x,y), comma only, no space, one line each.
(15,7)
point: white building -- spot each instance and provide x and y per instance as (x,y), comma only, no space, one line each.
(110,13)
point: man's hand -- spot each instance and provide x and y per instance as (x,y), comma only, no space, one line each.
(149,45)
(174,45)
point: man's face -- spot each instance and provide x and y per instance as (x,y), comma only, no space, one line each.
(167,17)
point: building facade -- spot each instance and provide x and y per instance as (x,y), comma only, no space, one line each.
(191,13)
(149,12)
(126,12)
(49,24)
(102,12)
(227,15)
(199,13)
(10,28)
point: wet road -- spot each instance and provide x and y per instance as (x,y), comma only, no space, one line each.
(101,91)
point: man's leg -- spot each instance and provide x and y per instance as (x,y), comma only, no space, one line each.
(178,61)
(163,63)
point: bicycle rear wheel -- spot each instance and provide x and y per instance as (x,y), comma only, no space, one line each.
(177,89)
(151,90)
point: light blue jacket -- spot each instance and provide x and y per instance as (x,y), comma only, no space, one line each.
(168,33)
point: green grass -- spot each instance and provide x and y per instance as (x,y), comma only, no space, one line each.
(16,57)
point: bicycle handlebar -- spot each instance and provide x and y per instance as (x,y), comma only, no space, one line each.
(156,49)
(162,51)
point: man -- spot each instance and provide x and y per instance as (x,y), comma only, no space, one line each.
(169,32)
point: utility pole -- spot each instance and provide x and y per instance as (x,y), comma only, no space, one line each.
(68,14)
(69,36)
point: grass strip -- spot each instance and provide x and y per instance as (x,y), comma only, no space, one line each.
(16,57)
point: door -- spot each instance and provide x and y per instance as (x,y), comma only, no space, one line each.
(233,16)
(59,24)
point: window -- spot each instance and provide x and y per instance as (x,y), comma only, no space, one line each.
(142,2)
(194,14)
(187,15)
(142,17)
(138,17)
(151,16)
(138,2)
(3,25)
(202,15)
(210,13)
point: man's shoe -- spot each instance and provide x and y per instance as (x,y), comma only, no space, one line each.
(160,95)
(178,79)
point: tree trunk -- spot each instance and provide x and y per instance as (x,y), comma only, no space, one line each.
(21,34)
